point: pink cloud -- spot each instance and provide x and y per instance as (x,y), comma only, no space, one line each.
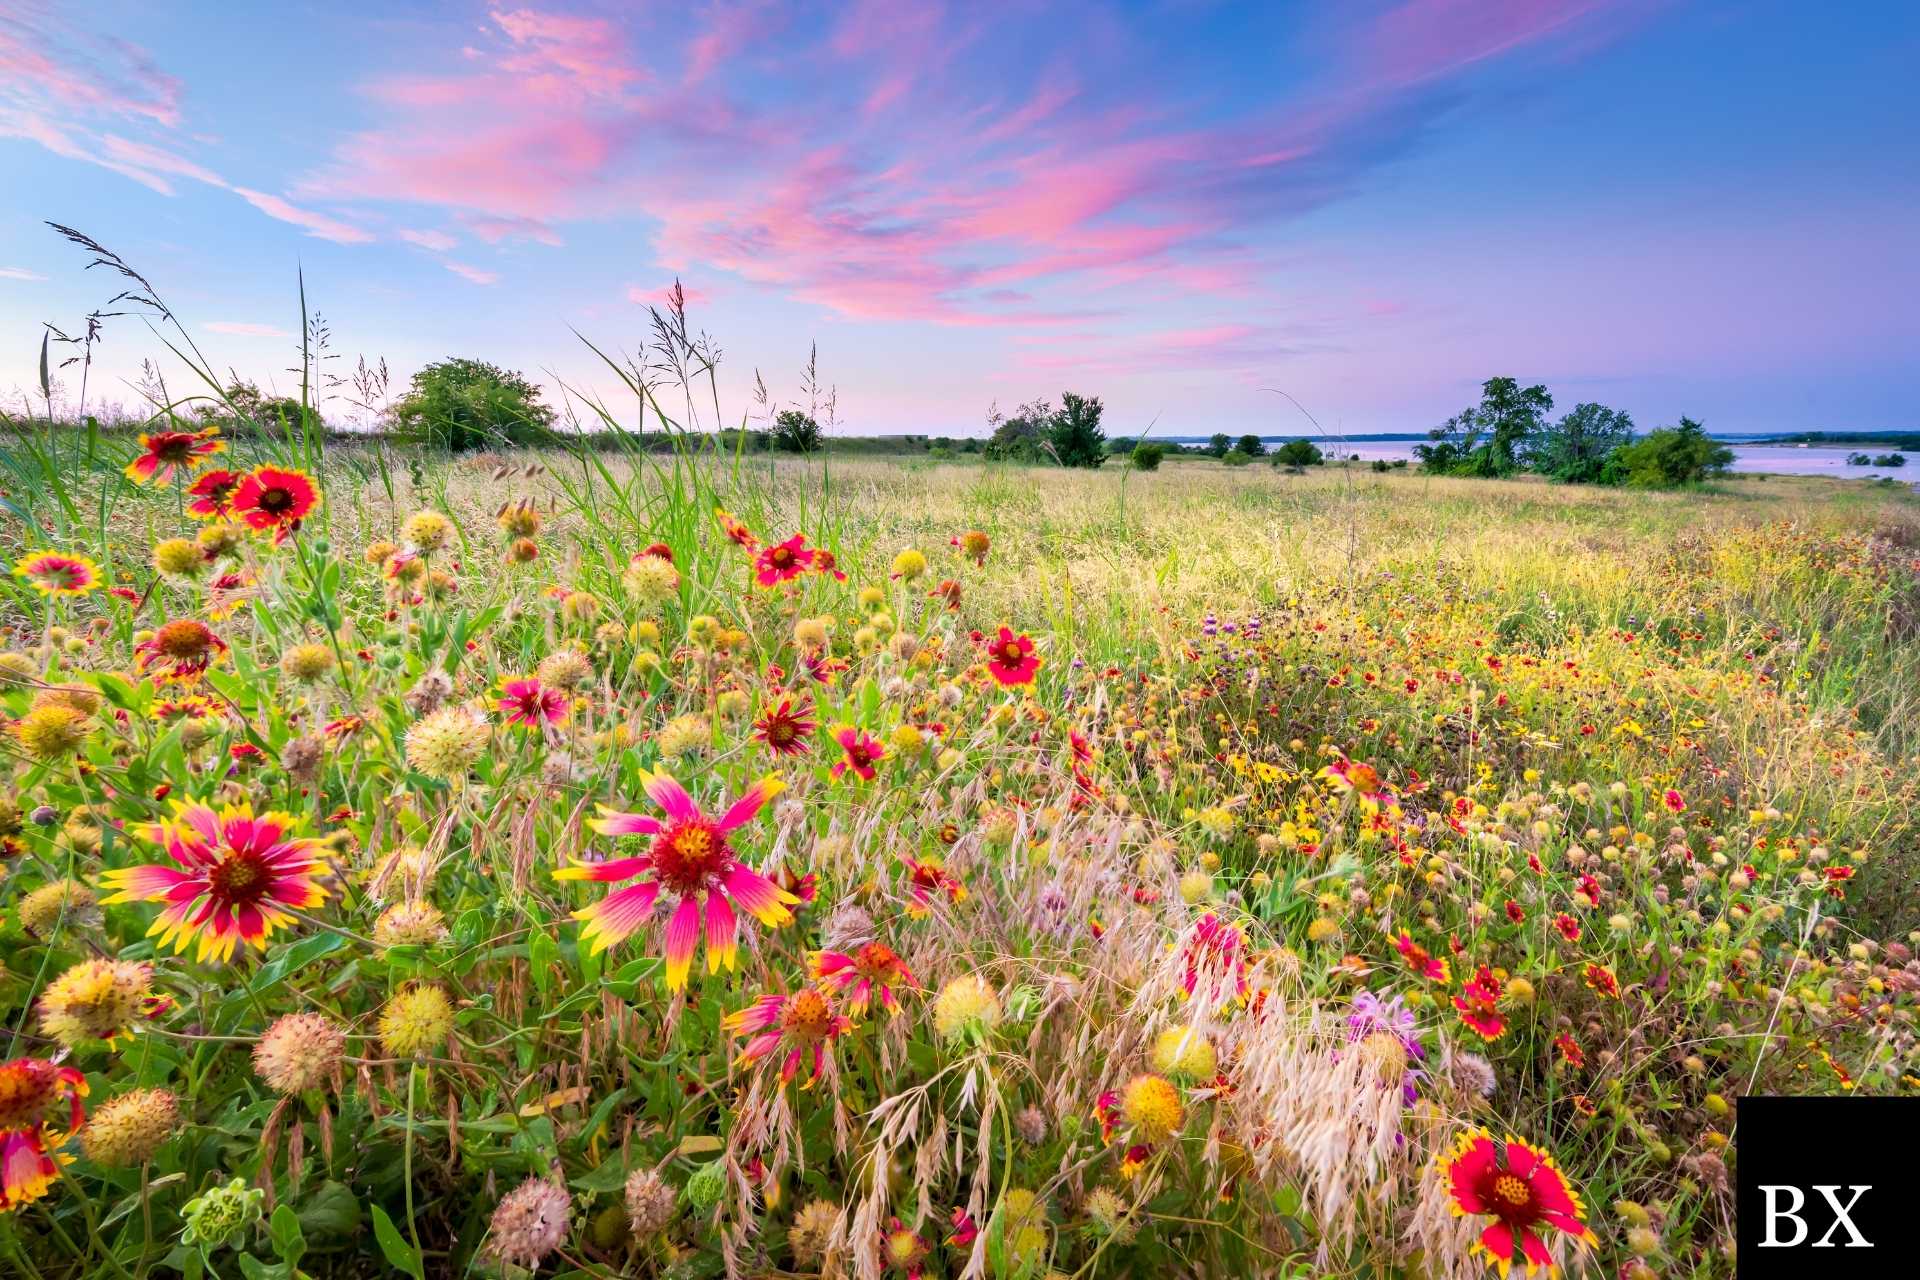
(438,241)
(474,274)
(19,273)
(496,230)
(45,64)
(318,225)
(657,295)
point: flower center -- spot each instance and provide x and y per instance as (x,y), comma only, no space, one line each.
(183,640)
(1010,653)
(807,1016)
(688,856)
(875,960)
(238,878)
(275,501)
(1512,1191)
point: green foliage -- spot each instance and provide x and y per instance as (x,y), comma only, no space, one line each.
(1075,432)
(1018,438)
(1298,453)
(796,432)
(1491,438)
(1146,457)
(1237,458)
(1251,445)
(462,404)
(1575,449)
(1219,443)
(1669,458)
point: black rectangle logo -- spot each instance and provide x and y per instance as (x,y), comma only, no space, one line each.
(1826,1186)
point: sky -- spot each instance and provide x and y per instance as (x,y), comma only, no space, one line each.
(1694,207)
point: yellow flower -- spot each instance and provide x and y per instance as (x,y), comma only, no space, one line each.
(416,1022)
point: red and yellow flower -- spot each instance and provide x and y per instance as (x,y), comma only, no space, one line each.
(690,859)
(1012,659)
(30,1090)
(803,1023)
(786,726)
(1420,960)
(1479,1005)
(179,652)
(212,494)
(56,573)
(234,875)
(275,500)
(874,969)
(926,879)
(862,751)
(782,561)
(165,452)
(1521,1189)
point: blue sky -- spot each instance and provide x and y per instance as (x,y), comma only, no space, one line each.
(1700,208)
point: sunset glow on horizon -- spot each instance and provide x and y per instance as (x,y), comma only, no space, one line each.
(1672,207)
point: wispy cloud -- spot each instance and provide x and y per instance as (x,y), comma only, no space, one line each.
(71,93)
(19,273)
(474,274)
(438,241)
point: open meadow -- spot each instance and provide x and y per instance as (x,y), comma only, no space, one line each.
(682,863)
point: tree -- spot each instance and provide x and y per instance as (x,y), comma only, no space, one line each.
(1075,432)
(468,404)
(795,432)
(1018,437)
(1490,438)
(1146,457)
(1219,444)
(1251,445)
(1298,453)
(247,410)
(1575,449)
(1669,458)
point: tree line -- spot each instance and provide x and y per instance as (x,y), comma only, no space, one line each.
(1510,431)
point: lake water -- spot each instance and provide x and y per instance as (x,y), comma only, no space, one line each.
(1792,460)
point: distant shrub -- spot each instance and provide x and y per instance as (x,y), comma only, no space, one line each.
(1890,460)
(795,432)
(1146,457)
(940,453)
(462,404)
(1669,458)
(1251,445)
(1859,459)
(1298,453)
(1237,459)
(1380,464)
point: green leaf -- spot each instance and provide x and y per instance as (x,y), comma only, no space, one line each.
(332,1212)
(399,1253)
(288,1240)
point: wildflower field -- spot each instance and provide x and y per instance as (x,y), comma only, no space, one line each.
(620,862)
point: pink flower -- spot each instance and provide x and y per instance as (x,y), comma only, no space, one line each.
(690,859)
(526,701)
(863,751)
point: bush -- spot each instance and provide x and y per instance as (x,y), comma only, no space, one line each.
(1146,457)
(1251,445)
(1890,460)
(1669,458)
(465,404)
(1237,459)
(1298,453)
(795,432)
